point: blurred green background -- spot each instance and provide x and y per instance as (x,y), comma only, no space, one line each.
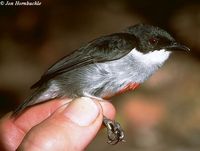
(162,115)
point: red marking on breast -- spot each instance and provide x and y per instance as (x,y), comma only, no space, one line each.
(128,87)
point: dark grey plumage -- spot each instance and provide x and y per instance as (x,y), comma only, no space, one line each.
(103,66)
(106,48)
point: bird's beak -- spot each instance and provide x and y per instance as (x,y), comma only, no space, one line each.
(177,47)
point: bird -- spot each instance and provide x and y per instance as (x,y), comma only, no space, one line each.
(104,67)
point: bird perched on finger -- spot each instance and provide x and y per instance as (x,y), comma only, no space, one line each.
(106,66)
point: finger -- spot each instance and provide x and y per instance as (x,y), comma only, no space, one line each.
(12,130)
(36,114)
(69,128)
(108,109)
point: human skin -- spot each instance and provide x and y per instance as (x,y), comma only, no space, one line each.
(63,125)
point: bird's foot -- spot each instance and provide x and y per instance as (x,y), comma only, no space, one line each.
(114,130)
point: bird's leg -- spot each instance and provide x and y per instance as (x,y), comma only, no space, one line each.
(93,97)
(114,130)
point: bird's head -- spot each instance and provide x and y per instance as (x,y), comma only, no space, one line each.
(152,38)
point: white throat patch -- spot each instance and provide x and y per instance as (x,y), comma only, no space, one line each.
(157,57)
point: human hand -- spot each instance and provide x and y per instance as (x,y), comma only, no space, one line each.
(54,125)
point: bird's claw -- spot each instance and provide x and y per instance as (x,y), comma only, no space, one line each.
(115,132)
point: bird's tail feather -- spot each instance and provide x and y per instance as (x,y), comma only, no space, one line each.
(29,101)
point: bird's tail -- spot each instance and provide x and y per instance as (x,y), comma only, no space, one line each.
(29,101)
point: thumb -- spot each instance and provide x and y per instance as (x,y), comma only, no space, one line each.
(71,127)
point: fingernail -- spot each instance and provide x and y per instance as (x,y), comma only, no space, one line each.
(82,111)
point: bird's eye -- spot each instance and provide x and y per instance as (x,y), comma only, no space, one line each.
(153,40)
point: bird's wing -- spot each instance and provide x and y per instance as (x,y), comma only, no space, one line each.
(106,48)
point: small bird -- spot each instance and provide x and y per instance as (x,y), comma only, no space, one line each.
(104,67)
